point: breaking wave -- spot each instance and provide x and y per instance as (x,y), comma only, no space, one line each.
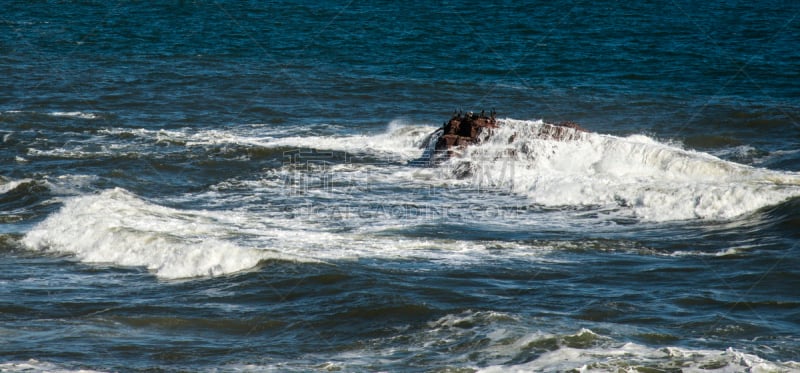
(116,227)
(652,180)
(637,175)
(349,215)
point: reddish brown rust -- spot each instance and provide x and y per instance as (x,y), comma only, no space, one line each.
(464,130)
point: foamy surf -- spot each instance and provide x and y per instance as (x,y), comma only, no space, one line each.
(635,176)
(645,178)
(398,142)
(652,180)
(116,226)
(74,114)
(632,357)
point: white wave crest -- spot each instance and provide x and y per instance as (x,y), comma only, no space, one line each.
(399,141)
(635,176)
(9,185)
(116,227)
(74,114)
(632,357)
(653,180)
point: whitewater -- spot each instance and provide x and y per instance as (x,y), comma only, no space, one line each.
(328,206)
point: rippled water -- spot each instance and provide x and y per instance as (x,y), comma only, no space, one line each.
(231,186)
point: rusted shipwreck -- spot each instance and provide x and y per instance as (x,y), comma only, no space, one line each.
(463,130)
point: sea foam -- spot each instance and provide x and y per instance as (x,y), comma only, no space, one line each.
(117,227)
(636,175)
(653,180)
(74,114)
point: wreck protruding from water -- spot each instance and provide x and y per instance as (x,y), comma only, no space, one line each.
(463,130)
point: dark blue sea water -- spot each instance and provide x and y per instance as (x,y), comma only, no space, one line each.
(231,186)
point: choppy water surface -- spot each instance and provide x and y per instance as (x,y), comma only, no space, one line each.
(221,186)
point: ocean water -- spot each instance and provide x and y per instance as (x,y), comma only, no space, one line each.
(227,186)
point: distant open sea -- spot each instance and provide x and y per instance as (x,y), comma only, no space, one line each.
(235,186)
